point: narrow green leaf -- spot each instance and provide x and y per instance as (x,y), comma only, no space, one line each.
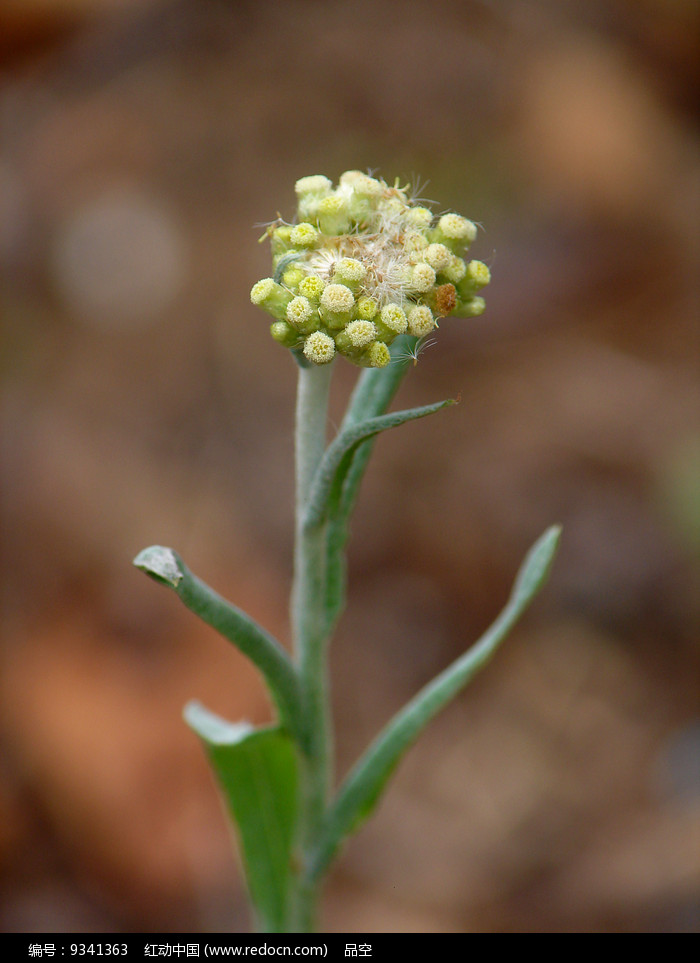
(363,786)
(327,485)
(165,566)
(373,393)
(256,770)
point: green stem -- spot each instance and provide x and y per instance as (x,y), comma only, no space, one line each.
(309,632)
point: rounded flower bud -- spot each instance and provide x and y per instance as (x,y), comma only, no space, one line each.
(304,235)
(262,290)
(292,277)
(471,308)
(367,308)
(414,244)
(337,302)
(314,184)
(419,217)
(362,184)
(394,318)
(437,256)
(420,321)
(337,298)
(319,348)
(475,278)
(311,287)
(478,273)
(271,296)
(454,227)
(311,191)
(349,271)
(455,270)
(284,334)
(302,315)
(360,333)
(422,278)
(280,238)
(376,355)
(333,217)
(354,337)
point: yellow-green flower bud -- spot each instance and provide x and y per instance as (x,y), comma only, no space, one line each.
(414,244)
(360,333)
(350,272)
(375,356)
(392,321)
(337,302)
(319,348)
(271,296)
(280,239)
(354,338)
(304,235)
(420,321)
(262,290)
(419,217)
(311,191)
(367,308)
(471,308)
(362,193)
(458,229)
(437,256)
(313,184)
(333,216)
(362,184)
(292,278)
(284,334)
(422,278)
(455,231)
(477,276)
(455,270)
(302,315)
(312,287)
(337,298)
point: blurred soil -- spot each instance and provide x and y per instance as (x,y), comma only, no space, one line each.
(144,402)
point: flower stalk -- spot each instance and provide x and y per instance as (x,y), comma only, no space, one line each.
(309,630)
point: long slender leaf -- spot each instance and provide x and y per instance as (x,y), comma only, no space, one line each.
(363,786)
(328,481)
(256,770)
(264,651)
(373,394)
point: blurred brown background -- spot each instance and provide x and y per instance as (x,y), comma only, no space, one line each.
(143,401)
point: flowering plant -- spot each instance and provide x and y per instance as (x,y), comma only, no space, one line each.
(364,272)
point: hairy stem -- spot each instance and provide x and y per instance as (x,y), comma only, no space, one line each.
(309,631)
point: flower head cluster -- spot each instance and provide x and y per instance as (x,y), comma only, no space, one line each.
(362,264)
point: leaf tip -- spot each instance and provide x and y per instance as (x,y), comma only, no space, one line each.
(551,539)
(538,563)
(161,564)
(212,728)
